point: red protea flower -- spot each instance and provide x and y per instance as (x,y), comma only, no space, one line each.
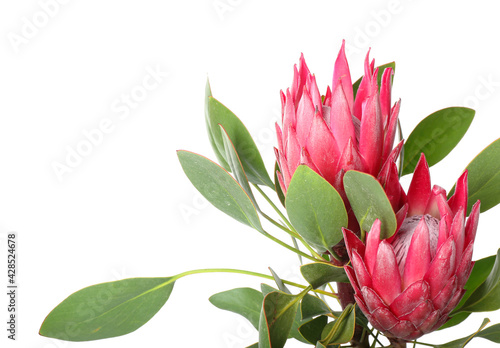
(337,132)
(407,285)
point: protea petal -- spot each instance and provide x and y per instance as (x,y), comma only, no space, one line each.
(342,76)
(315,95)
(351,159)
(410,298)
(293,150)
(420,188)
(385,94)
(459,199)
(441,267)
(386,278)
(437,193)
(418,258)
(323,148)
(372,243)
(364,88)
(362,275)
(465,266)
(371,134)
(305,115)
(458,233)
(352,242)
(419,313)
(340,118)
(390,133)
(472,222)
(444,296)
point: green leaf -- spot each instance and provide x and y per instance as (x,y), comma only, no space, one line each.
(462,342)
(107,310)
(312,329)
(276,318)
(279,282)
(341,330)
(255,345)
(315,209)
(219,188)
(487,296)
(480,272)
(294,332)
(219,152)
(235,165)
(369,202)
(484,178)
(381,69)
(491,333)
(436,135)
(215,114)
(311,306)
(246,302)
(277,185)
(319,273)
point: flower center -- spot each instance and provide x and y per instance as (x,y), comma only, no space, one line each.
(402,241)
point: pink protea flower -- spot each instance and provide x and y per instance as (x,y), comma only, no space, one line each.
(408,284)
(337,132)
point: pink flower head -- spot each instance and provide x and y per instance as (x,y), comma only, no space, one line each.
(339,132)
(407,285)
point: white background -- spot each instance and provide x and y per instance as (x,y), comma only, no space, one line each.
(127,210)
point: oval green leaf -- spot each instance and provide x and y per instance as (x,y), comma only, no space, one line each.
(312,329)
(341,330)
(219,188)
(235,164)
(215,114)
(369,202)
(315,209)
(246,302)
(312,306)
(435,136)
(276,318)
(320,273)
(484,178)
(462,342)
(487,296)
(107,310)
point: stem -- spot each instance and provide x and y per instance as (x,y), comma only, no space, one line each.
(239,271)
(290,230)
(274,207)
(289,247)
(424,344)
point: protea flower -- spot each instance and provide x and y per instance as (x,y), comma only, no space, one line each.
(337,132)
(407,285)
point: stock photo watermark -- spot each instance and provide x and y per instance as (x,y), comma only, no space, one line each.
(224,7)
(380,20)
(485,89)
(121,107)
(32,25)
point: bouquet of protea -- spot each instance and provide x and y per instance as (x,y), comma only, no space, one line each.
(381,261)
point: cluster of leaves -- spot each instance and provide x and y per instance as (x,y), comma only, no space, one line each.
(316,215)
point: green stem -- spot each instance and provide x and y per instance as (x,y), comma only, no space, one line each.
(290,230)
(424,344)
(239,271)
(271,203)
(289,247)
(375,337)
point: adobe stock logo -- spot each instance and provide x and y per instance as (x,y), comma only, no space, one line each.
(32,24)
(122,107)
